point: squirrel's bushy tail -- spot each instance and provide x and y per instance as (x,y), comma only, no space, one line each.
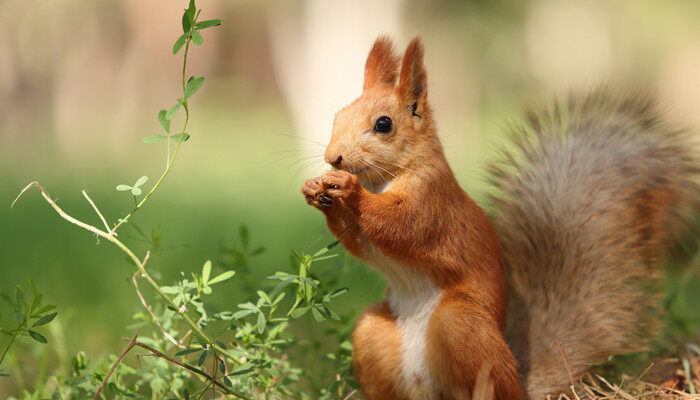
(590,197)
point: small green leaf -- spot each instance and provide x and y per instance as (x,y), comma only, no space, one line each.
(206,289)
(187,351)
(186,23)
(123,187)
(141,181)
(299,312)
(242,313)
(44,320)
(154,138)
(207,24)
(337,292)
(197,38)
(172,111)
(191,10)
(35,303)
(222,277)
(264,296)
(136,191)
(202,358)
(192,86)
(37,336)
(206,271)
(317,315)
(261,322)
(241,372)
(179,43)
(164,122)
(185,137)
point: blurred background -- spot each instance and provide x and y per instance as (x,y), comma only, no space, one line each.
(81,82)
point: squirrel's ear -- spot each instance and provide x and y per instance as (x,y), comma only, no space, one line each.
(381,65)
(413,84)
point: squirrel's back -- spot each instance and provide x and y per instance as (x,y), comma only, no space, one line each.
(590,197)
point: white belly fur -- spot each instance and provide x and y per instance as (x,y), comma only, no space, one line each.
(412,299)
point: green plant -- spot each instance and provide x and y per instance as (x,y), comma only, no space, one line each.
(241,352)
(29,316)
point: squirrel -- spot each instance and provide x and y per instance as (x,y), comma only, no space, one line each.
(586,203)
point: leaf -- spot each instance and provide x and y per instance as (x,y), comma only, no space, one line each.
(136,191)
(187,351)
(337,292)
(123,187)
(206,289)
(185,137)
(141,181)
(197,38)
(202,358)
(35,303)
(261,322)
(206,271)
(242,313)
(227,381)
(222,277)
(164,122)
(45,309)
(284,283)
(186,22)
(317,315)
(264,296)
(172,111)
(37,336)
(299,312)
(44,320)
(154,138)
(179,43)
(241,372)
(191,10)
(192,86)
(208,23)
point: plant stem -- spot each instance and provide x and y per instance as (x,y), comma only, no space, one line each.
(170,161)
(191,368)
(128,347)
(136,261)
(4,353)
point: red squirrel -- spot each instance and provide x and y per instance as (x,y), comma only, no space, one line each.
(585,204)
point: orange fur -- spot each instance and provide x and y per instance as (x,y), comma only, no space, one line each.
(591,199)
(424,221)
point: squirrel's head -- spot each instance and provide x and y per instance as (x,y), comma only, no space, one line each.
(380,133)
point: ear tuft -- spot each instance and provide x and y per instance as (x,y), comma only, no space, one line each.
(413,85)
(382,64)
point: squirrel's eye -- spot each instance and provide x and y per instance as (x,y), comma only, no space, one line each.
(383,124)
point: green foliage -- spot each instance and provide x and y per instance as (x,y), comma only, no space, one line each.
(192,345)
(28,317)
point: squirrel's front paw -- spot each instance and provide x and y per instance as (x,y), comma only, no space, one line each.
(323,191)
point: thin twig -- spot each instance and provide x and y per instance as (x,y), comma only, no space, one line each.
(190,368)
(133,258)
(148,307)
(99,214)
(213,376)
(128,347)
(568,368)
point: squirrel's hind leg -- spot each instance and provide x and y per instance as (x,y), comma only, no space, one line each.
(463,344)
(377,353)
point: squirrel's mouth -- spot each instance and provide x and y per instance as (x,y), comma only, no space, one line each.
(354,171)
